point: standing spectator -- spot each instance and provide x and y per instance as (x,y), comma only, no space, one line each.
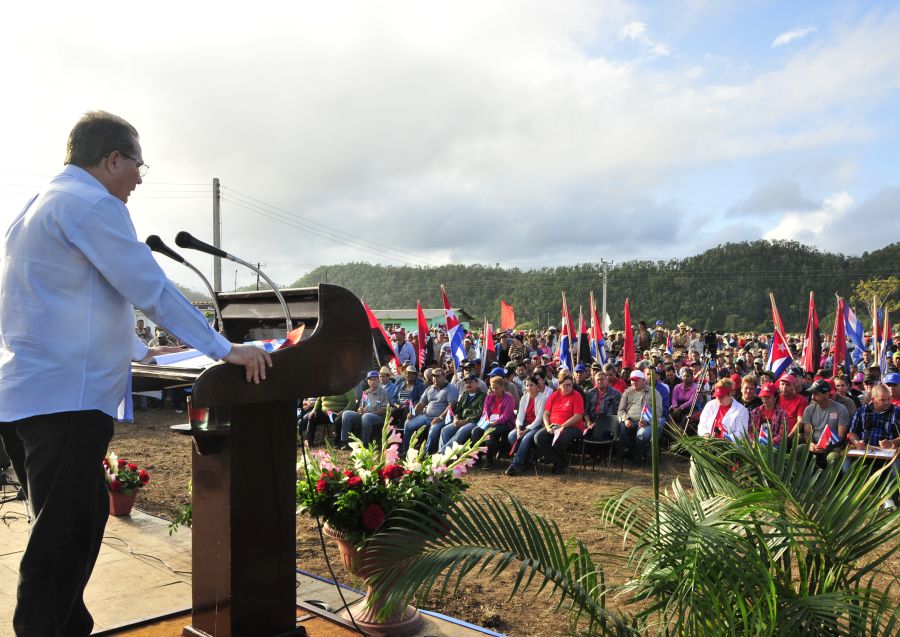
(404,350)
(683,397)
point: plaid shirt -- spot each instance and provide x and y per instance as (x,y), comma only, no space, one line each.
(872,427)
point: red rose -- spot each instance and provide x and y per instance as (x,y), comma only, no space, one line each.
(121,462)
(132,466)
(115,485)
(354,481)
(144,477)
(372,517)
(321,485)
(348,473)
(391,472)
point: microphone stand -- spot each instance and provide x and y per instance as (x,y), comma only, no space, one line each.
(156,244)
(186,240)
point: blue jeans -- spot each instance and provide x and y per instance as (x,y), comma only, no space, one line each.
(524,445)
(412,425)
(435,435)
(637,439)
(366,424)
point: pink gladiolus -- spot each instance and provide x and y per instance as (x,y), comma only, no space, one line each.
(394,438)
(324,460)
(391,455)
(460,470)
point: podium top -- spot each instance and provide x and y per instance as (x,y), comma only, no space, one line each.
(333,358)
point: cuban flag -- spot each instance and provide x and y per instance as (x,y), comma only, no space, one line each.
(854,330)
(454,332)
(565,349)
(268,344)
(598,343)
(330,415)
(412,409)
(780,359)
(764,435)
(448,419)
(669,349)
(828,437)
(646,414)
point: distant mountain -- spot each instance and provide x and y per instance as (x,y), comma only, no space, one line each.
(726,287)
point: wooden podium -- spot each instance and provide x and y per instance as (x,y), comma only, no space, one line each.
(244,459)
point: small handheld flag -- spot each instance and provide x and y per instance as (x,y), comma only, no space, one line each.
(646,414)
(448,419)
(764,435)
(669,349)
(330,415)
(827,438)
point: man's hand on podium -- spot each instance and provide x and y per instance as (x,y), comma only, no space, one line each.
(253,359)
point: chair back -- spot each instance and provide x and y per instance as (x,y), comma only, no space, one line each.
(606,429)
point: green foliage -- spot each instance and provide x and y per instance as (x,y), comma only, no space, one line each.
(726,287)
(887,289)
(765,544)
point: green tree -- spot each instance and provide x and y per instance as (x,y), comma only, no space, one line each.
(886,289)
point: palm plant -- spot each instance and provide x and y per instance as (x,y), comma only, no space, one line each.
(765,543)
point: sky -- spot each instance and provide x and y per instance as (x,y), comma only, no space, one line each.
(525,133)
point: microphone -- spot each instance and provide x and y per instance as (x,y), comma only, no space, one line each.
(187,240)
(157,245)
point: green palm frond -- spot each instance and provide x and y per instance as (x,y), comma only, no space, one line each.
(491,535)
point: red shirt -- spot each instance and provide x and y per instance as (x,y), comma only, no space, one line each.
(561,407)
(794,408)
(529,412)
(618,384)
(718,431)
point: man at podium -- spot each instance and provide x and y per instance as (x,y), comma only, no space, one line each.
(72,253)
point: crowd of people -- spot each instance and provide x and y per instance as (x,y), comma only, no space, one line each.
(533,408)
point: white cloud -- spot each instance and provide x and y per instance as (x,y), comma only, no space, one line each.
(430,129)
(787,37)
(637,32)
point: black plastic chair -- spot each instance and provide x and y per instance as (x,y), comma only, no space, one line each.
(605,432)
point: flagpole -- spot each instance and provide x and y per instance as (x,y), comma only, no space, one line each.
(875,356)
(654,446)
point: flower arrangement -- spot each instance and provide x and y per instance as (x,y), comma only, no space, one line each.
(356,499)
(123,476)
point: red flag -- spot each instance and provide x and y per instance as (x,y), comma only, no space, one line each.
(381,342)
(812,344)
(628,350)
(293,337)
(422,336)
(507,316)
(488,350)
(839,341)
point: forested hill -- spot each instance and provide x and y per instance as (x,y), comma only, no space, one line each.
(723,288)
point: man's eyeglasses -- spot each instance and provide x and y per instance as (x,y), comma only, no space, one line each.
(141,166)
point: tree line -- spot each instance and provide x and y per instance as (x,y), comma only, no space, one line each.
(725,288)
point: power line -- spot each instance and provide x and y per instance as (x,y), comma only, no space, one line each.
(335,231)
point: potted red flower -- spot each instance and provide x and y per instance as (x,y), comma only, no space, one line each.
(123,480)
(356,500)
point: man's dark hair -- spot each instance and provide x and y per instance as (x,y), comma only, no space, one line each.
(96,135)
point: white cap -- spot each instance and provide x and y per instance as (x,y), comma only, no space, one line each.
(637,374)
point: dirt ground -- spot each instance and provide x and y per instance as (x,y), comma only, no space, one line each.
(569,500)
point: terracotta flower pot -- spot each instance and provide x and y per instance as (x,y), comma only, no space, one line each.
(405,620)
(120,502)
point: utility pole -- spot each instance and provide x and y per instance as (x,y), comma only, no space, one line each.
(258,267)
(217,237)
